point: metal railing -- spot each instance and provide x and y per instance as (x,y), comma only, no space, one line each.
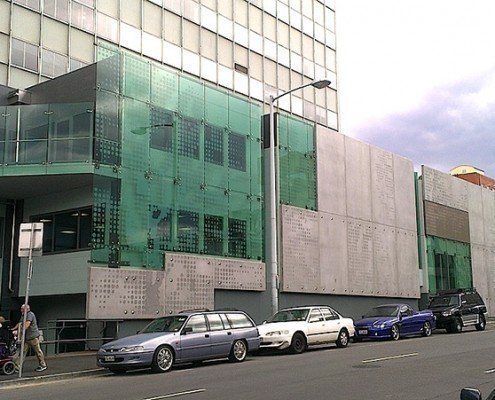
(89,334)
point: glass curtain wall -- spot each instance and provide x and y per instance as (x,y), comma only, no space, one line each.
(179,166)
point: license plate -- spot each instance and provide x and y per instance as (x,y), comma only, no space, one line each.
(109,358)
(362,332)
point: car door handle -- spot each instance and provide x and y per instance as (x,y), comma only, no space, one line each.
(229,333)
(207,335)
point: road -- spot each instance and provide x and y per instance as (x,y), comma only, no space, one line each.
(410,369)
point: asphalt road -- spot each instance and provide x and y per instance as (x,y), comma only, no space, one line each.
(415,368)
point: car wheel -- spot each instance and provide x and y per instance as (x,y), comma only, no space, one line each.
(298,343)
(117,371)
(426,329)
(395,332)
(162,359)
(238,352)
(343,339)
(480,326)
(457,326)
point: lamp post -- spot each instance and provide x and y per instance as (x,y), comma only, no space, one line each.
(273,193)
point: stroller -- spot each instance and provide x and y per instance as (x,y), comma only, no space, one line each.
(8,348)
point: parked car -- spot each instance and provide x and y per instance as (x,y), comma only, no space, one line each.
(391,321)
(475,394)
(297,328)
(457,308)
(185,337)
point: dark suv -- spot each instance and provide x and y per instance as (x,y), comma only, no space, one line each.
(457,308)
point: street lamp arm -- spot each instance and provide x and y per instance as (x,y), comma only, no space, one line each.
(317,84)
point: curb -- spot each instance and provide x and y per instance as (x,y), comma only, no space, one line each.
(50,378)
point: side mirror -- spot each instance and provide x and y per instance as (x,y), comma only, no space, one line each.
(264,322)
(186,330)
(470,394)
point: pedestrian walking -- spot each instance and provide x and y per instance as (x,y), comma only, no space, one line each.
(32,339)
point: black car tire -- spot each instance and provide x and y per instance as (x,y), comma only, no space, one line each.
(456,325)
(8,368)
(395,332)
(163,359)
(298,343)
(426,329)
(481,325)
(343,339)
(239,351)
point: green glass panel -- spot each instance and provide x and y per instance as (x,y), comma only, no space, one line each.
(191,98)
(216,107)
(256,166)
(255,240)
(137,78)
(164,88)
(33,134)
(216,172)
(108,73)
(216,203)
(238,225)
(163,143)
(239,115)
(107,133)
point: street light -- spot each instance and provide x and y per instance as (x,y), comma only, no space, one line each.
(273,194)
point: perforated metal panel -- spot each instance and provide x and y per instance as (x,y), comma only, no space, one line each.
(191,280)
(125,293)
(300,252)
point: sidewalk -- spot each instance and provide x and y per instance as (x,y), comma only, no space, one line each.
(60,366)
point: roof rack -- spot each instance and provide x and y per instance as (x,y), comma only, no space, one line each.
(194,310)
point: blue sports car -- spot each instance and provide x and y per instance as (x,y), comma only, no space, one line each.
(391,321)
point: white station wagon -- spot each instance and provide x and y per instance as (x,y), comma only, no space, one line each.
(297,328)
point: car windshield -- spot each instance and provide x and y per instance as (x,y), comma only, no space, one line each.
(165,324)
(444,301)
(385,311)
(290,315)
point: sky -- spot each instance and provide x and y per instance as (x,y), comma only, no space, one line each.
(417,77)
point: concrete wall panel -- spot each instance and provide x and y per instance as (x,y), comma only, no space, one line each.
(358,179)
(407,264)
(360,256)
(488,200)
(385,273)
(405,198)
(382,186)
(333,253)
(331,175)
(445,189)
(476,228)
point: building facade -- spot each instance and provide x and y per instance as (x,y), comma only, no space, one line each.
(134,131)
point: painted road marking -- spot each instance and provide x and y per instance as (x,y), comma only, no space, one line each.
(168,396)
(389,358)
(490,371)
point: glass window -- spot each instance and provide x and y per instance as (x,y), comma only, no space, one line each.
(208,19)
(237,238)
(225,52)
(66,231)
(130,37)
(270,27)
(189,138)
(255,19)
(214,145)
(172,31)
(328,314)
(83,17)
(76,64)
(237,152)
(162,130)
(241,12)
(53,64)
(225,27)
(315,315)
(191,10)
(215,322)
(191,36)
(187,231)
(208,44)
(197,323)
(2,223)
(24,55)
(213,234)
(238,320)
(58,9)
(108,27)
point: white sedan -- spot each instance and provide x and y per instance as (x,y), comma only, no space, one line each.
(300,327)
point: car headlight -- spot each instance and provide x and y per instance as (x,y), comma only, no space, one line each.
(277,333)
(131,349)
(381,326)
(447,313)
